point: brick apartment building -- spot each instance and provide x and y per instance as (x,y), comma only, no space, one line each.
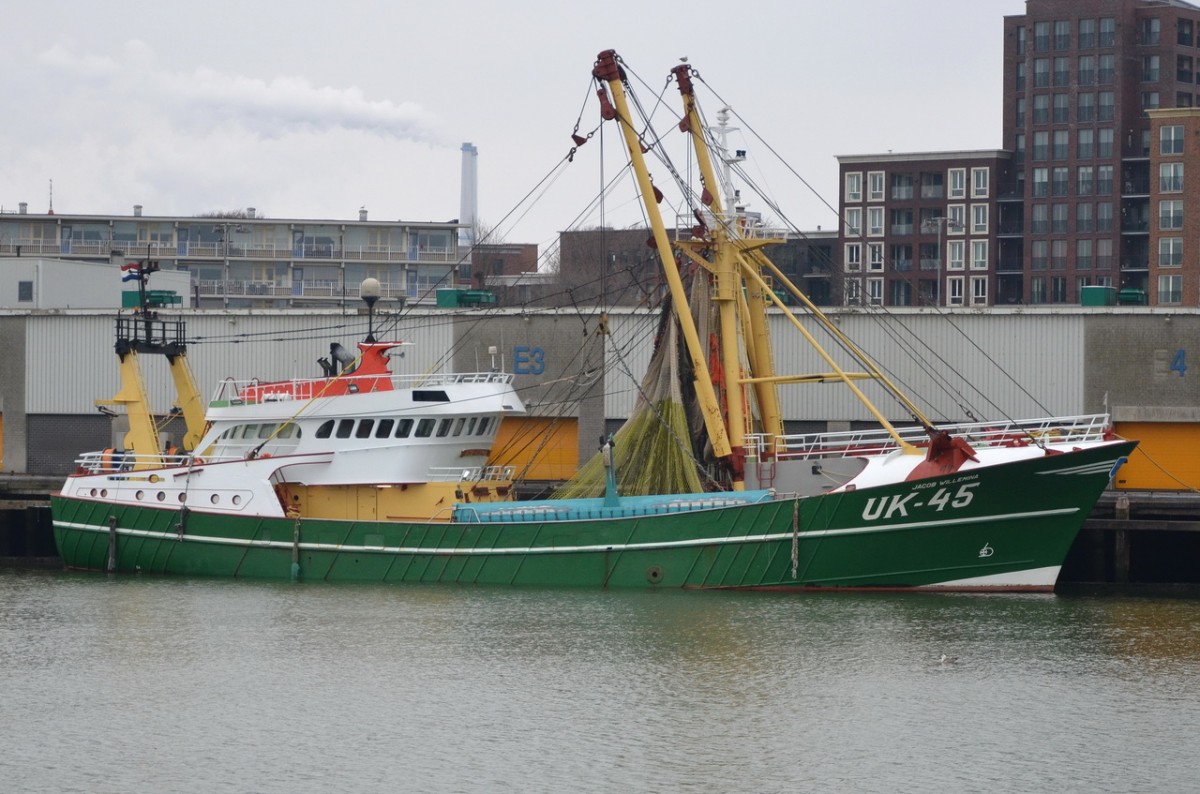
(1082,194)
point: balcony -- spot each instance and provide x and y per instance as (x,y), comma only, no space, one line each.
(327,290)
(206,251)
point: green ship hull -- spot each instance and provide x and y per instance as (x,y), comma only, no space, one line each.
(1004,527)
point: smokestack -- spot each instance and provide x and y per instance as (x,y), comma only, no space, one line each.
(469,200)
(362,214)
(137,210)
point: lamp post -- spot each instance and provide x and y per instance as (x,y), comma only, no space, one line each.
(369,292)
(941,223)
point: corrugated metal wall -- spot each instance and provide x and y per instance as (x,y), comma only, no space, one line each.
(1043,354)
(1008,359)
(71,362)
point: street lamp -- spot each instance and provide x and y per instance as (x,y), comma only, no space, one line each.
(941,223)
(369,292)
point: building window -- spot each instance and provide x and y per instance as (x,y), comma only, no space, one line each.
(956,254)
(1058,218)
(931,186)
(958,183)
(1104,254)
(902,221)
(1021,75)
(1104,180)
(1058,254)
(1170,251)
(902,258)
(853,221)
(1083,254)
(1170,139)
(853,257)
(1041,109)
(1107,109)
(1170,289)
(1058,289)
(875,291)
(1062,145)
(902,187)
(954,286)
(1041,36)
(1039,254)
(1037,289)
(875,186)
(1170,178)
(1085,144)
(1104,217)
(1087,33)
(979,219)
(1062,34)
(956,219)
(979,182)
(979,290)
(1039,220)
(979,254)
(1151,32)
(24,291)
(853,290)
(1184,32)
(1170,215)
(1183,99)
(854,186)
(1087,70)
(875,254)
(875,221)
(1062,72)
(1085,109)
(1105,146)
(1021,111)
(1041,145)
(1021,44)
(1183,68)
(1085,181)
(1106,73)
(1150,68)
(1041,182)
(1083,218)
(1062,113)
(1108,32)
(1060,182)
(1150,100)
(1041,73)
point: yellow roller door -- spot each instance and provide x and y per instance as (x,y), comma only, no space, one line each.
(538,448)
(1166,457)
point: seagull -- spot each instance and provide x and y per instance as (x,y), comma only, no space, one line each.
(945,660)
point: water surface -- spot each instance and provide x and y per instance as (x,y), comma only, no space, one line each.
(120,684)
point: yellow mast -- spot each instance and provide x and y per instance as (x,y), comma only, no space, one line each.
(607,70)
(734,291)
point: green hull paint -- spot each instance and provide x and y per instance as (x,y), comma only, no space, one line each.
(995,522)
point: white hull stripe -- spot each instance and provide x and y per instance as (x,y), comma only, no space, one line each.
(1097,467)
(618,547)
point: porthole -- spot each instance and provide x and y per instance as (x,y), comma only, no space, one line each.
(237,500)
(103,492)
(214,499)
(182,497)
(160,496)
(140,495)
(93,492)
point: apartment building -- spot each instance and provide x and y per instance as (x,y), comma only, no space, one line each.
(920,229)
(1083,192)
(1081,80)
(242,260)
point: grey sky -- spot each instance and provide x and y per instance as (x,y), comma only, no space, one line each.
(310,109)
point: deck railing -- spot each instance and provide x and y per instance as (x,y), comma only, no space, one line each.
(1055,430)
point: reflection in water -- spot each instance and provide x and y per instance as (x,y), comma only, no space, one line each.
(128,684)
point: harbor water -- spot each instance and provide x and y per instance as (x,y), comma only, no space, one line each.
(130,684)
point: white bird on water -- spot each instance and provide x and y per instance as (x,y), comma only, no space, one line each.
(945,660)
